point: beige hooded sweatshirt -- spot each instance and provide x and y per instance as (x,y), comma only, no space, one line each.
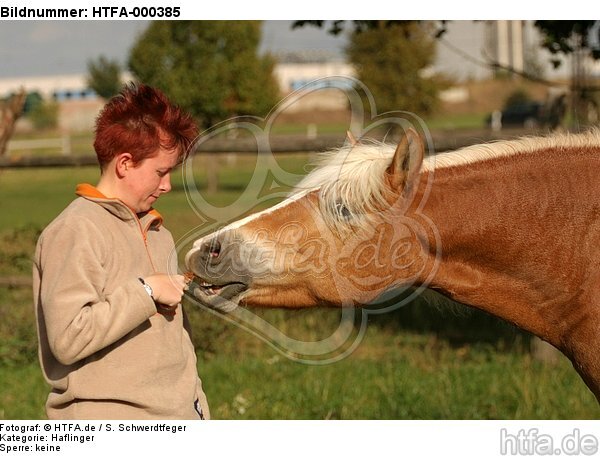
(104,349)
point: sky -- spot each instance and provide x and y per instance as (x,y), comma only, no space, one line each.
(33,48)
(50,47)
(43,48)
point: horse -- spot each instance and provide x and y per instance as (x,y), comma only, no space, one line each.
(509,227)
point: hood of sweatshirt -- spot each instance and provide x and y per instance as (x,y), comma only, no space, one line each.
(147,220)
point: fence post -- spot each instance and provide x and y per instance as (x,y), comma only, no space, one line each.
(66,144)
(311,131)
(212,172)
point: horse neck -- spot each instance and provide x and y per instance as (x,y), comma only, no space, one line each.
(511,232)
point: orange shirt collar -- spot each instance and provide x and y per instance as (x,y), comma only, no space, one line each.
(89,191)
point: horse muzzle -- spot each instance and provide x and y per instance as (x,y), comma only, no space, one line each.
(220,271)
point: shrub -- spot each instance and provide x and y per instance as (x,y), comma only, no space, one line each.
(517,97)
(44,115)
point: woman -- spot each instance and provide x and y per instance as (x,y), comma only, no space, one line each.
(114,342)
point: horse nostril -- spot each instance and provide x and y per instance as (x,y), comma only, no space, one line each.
(215,249)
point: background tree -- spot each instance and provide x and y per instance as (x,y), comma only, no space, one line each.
(44,115)
(558,37)
(390,60)
(576,39)
(567,37)
(104,77)
(580,40)
(10,111)
(32,100)
(210,68)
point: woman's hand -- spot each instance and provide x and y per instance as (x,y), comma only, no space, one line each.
(167,290)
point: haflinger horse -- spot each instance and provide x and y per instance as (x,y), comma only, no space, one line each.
(509,227)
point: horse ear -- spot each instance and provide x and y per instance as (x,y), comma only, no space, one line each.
(407,161)
(351,138)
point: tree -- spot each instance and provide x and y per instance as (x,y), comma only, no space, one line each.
(390,59)
(338,26)
(558,37)
(10,111)
(210,68)
(567,37)
(44,115)
(579,39)
(104,77)
(32,100)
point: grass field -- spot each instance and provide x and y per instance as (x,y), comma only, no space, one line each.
(417,362)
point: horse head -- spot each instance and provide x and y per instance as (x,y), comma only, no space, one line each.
(344,235)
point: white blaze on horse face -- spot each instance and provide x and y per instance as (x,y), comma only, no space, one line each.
(243,222)
(252,217)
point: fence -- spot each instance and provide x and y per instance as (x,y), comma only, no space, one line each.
(285,144)
(63,144)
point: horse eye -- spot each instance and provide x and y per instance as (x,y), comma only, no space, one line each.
(342,211)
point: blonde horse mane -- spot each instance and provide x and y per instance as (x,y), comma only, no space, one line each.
(351,180)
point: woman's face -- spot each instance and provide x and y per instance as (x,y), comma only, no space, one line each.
(147,180)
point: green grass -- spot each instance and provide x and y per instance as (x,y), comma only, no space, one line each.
(414,363)
(502,386)
(391,376)
(36,196)
(24,392)
(396,373)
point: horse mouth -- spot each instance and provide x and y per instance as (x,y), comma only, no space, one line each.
(225,290)
(223,297)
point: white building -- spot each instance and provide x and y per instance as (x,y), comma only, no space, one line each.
(58,87)
(467,48)
(292,76)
